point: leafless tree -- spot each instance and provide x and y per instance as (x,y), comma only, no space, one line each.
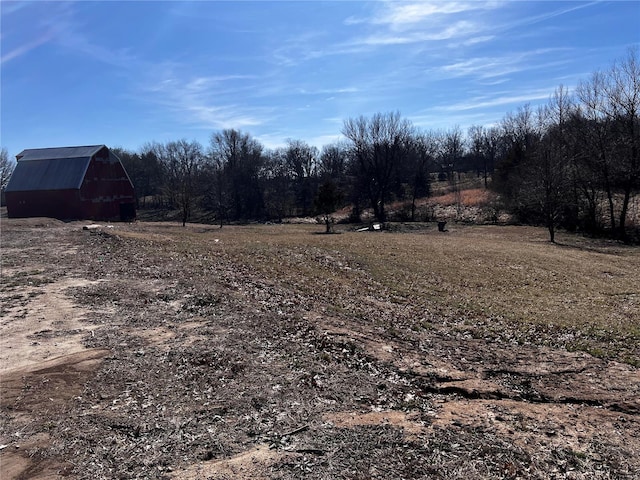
(378,145)
(624,101)
(238,159)
(181,161)
(333,161)
(610,106)
(278,195)
(302,161)
(452,152)
(597,136)
(547,179)
(484,147)
(6,167)
(425,148)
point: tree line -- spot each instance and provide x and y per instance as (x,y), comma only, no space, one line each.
(575,162)
(571,163)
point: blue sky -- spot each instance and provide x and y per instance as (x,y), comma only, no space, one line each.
(126,73)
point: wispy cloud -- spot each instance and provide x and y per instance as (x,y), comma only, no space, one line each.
(398,23)
(531,20)
(291,70)
(57,24)
(402,15)
(497,100)
(15,41)
(327,91)
(391,24)
(319,141)
(458,29)
(12,7)
(197,100)
(190,97)
(25,48)
(489,68)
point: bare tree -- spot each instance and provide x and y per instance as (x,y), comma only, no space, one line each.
(484,147)
(547,178)
(424,151)
(333,161)
(239,160)
(519,136)
(451,154)
(624,101)
(302,161)
(475,134)
(181,162)
(6,169)
(326,201)
(278,195)
(597,135)
(378,146)
(610,107)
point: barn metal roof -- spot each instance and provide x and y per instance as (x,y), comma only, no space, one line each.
(51,168)
(48,174)
(58,153)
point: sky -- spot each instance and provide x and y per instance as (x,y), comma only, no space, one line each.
(128,73)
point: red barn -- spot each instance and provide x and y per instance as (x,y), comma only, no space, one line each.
(70,183)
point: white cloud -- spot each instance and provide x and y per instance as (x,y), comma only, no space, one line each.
(519,23)
(402,16)
(197,100)
(460,29)
(42,29)
(326,91)
(490,68)
(473,41)
(25,48)
(499,100)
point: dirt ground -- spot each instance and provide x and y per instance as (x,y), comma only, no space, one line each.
(151,351)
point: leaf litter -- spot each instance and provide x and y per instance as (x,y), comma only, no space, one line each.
(276,354)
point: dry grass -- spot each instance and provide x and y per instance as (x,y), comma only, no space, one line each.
(491,280)
(213,344)
(475,197)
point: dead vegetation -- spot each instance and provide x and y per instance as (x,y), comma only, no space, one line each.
(271,352)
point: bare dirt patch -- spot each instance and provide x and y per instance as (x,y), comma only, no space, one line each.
(250,465)
(272,352)
(39,322)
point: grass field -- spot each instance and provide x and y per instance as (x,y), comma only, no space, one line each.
(149,350)
(491,281)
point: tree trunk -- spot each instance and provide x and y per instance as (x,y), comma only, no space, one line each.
(623,213)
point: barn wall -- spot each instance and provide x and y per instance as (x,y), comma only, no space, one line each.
(61,204)
(106,187)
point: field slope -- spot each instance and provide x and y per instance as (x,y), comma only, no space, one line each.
(149,350)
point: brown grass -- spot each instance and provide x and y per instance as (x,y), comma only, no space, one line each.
(476,197)
(273,351)
(488,280)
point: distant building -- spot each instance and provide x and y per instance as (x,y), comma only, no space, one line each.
(70,183)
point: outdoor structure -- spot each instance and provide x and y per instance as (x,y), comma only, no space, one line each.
(70,183)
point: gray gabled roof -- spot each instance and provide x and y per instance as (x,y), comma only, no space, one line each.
(58,153)
(51,168)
